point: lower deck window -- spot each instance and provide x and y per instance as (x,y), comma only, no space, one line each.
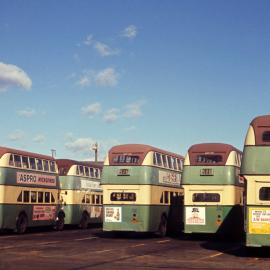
(123,196)
(264,194)
(206,197)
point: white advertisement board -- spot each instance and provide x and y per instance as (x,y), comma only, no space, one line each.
(113,214)
(195,215)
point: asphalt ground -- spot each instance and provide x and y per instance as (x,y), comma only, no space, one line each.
(75,249)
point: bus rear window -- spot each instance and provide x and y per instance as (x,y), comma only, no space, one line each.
(123,196)
(126,159)
(264,194)
(266,136)
(211,159)
(206,197)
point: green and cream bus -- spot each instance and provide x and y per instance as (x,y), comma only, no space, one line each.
(28,190)
(255,169)
(142,189)
(213,189)
(80,191)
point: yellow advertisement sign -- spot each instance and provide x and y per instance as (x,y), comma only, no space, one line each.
(259,220)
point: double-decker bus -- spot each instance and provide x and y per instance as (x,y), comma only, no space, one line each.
(255,169)
(80,191)
(213,189)
(28,190)
(142,189)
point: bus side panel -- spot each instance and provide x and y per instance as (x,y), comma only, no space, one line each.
(255,160)
(214,219)
(137,218)
(41,215)
(257,231)
(223,175)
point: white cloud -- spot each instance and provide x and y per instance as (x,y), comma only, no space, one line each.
(134,110)
(83,145)
(89,40)
(111,115)
(131,128)
(92,109)
(106,77)
(130,32)
(17,135)
(85,80)
(40,138)
(105,50)
(28,112)
(11,75)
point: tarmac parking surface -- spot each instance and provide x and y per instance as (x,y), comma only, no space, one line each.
(75,249)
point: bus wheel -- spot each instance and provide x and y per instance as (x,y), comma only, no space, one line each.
(60,223)
(21,224)
(84,221)
(162,229)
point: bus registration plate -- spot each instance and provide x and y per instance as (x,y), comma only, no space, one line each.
(207,172)
(122,172)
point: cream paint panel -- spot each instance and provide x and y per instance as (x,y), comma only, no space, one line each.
(74,196)
(72,170)
(232,159)
(254,183)
(4,160)
(229,195)
(148,160)
(187,161)
(106,161)
(9,194)
(250,137)
(145,194)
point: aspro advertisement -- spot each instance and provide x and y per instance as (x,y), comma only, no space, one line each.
(195,215)
(36,179)
(259,220)
(44,212)
(113,214)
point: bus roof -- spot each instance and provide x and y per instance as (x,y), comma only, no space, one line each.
(261,121)
(261,124)
(140,150)
(65,164)
(5,150)
(209,149)
(69,162)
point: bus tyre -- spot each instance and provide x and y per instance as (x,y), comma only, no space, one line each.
(84,221)
(21,224)
(162,229)
(60,222)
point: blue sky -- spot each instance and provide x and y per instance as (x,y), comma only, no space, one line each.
(165,73)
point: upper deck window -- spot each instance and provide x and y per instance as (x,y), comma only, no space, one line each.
(126,159)
(39,165)
(25,163)
(32,162)
(266,136)
(87,171)
(157,159)
(174,163)
(264,194)
(81,171)
(211,159)
(169,162)
(164,159)
(52,166)
(46,165)
(180,164)
(17,161)
(11,160)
